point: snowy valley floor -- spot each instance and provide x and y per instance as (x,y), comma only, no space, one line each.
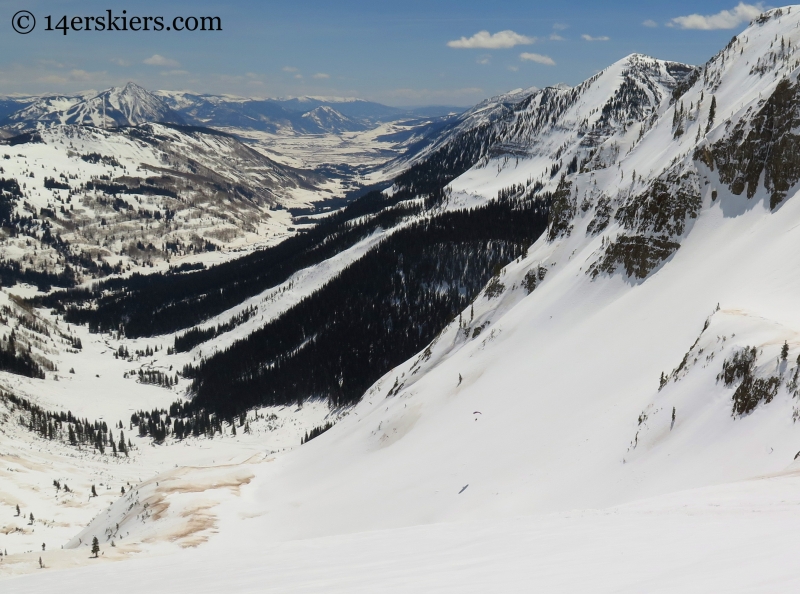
(738,537)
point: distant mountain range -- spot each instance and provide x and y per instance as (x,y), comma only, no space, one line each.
(131,105)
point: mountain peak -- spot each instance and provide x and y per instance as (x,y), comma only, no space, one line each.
(327,119)
(130,105)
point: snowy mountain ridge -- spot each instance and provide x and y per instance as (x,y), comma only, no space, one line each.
(567,127)
(130,105)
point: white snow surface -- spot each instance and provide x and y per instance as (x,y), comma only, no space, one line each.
(733,539)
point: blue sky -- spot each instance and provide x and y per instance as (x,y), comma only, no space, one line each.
(409,52)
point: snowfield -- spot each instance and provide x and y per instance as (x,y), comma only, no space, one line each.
(736,538)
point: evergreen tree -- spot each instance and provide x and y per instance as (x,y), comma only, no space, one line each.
(712,112)
(95,545)
(98,442)
(31,517)
(17,509)
(94,492)
(784,351)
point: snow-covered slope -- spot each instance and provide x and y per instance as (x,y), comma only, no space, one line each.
(141,195)
(735,538)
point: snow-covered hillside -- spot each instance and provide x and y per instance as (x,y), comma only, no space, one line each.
(140,196)
(616,410)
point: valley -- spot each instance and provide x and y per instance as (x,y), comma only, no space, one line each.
(362,348)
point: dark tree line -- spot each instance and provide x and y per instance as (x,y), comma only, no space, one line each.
(448,162)
(11,273)
(378,312)
(315,432)
(158,378)
(67,428)
(113,189)
(180,422)
(194,336)
(18,361)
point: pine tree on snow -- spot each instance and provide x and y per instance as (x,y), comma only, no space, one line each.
(712,112)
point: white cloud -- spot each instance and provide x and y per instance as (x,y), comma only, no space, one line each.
(560,26)
(556,37)
(486,40)
(513,68)
(590,38)
(538,58)
(650,23)
(156,60)
(289,69)
(80,75)
(120,62)
(321,75)
(75,76)
(52,79)
(484,59)
(725,19)
(298,76)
